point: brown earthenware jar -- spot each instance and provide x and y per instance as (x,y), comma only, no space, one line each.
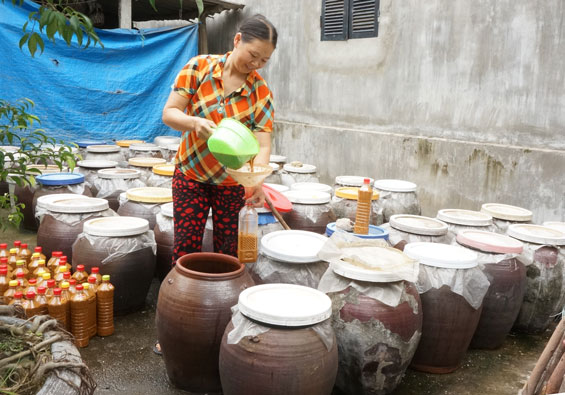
(193,309)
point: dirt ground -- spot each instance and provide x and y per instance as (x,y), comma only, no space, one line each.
(125,364)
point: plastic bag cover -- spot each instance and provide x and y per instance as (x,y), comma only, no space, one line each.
(391,294)
(392,203)
(471,283)
(453,229)
(166,224)
(72,219)
(75,188)
(289,179)
(243,327)
(157,180)
(312,212)
(109,186)
(347,208)
(501,225)
(117,247)
(395,236)
(155,208)
(363,252)
(269,270)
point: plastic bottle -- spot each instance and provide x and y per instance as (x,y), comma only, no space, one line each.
(63,261)
(247,245)
(95,271)
(59,275)
(20,268)
(50,288)
(79,317)
(21,280)
(58,307)
(4,264)
(31,286)
(31,307)
(17,246)
(53,262)
(91,309)
(18,298)
(4,250)
(40,269)
(65,294)
(11,291)
(72,285)
(41,300)
(32,264)
(25,253)
(13,258)
(40,251)
(363,213)
(105,307)
(4,280)
(80,275)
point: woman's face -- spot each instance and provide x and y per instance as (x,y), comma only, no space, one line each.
(252,55)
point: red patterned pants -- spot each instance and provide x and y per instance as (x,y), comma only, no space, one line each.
(192,201)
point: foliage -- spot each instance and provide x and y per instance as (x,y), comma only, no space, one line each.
(56,16)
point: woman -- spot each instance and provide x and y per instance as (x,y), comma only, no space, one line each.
(208,89)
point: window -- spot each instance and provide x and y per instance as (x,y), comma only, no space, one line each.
(346,19)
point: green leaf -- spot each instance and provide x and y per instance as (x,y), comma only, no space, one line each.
(152,2)
(67,34)
(42,46)
(24,27)
(23,40)
(51,30)
(200,6)
(44,17)
(32,44)
(79,37)
(75,23)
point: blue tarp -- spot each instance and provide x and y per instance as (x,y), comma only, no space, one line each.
(115,92)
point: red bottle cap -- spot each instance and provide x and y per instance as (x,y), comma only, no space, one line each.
(20,275)
(67,275)
(57,253)
(64,258)
(18,295)
(367,180)
(3,271)
(24,245)
(3,246)
(57,291)
(38,249)
(30,295)
(41,290)
(72,281)
(92,279)
(50,283)
(79,287)
(32,281)
(62,262)
(4,260)
(80,268)
(17,243)
(93,270)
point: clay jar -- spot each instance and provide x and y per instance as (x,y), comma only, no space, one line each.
(104,152)
(193,310)
(145,166)
(110,183)
(293,350)
(162,176)
(298,172)
(124,146)
(146,150)
(350,181)
(63,220)
(504,215)
(289,256)
(344,205)
(507,277)
(83,144)
(311,210)
(164,237)
(457,220)
(124,248)
(544,255)
(450,314)
(397,197)
(404,229)
(89,169)
(376,340)
(145,202)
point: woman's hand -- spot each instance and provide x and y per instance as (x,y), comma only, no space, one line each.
(255,196)
(203,127)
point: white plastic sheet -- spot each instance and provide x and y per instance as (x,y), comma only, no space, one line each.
(159,181)
(312,212)
(117,247)
(154,208)
(347,208)
(395,236)
(453,229)
(244,327)
(72,219)
(292,178)
(111,186)
(268,270)
(166,224)
(391,203)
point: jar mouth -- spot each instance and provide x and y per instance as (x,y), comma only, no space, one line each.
(209,266)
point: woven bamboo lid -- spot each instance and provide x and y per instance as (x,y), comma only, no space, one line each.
(146,161)
(167,169)
(150,195)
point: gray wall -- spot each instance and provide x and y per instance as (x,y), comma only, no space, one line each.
(465,98)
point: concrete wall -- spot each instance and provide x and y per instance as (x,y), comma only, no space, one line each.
(464,98)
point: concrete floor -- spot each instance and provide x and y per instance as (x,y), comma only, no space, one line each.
(125,364)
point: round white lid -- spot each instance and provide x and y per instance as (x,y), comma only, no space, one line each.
(116,226)
(307,196)
(172,147)
(311,186)
(277,187)
(507,212)
(352,181)
(97,164)
(293,246)
(285,304)
(119,173)
(555,225)
(418,224)
(76,206)
(277,158)
(144,147)
(164,141)
(146,161)
(464,217)
(150,195)
(302,169)
(442,255)
(395,185)
(167,210)
(537,234)
(489,241)
(274,166)
(45,199)
(102,148)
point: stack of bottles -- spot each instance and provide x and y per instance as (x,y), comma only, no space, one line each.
(83,303)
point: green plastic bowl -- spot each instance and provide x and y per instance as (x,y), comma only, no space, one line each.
(233,144)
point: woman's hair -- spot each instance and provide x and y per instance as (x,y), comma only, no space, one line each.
(258,27)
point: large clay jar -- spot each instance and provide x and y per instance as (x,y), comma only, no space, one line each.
(298,172)
(504,215)
(344,205)
(457,220)
(145,150)
(507,277)
(83,144)
(162,176)
(450,314)
(283,343)
(378,327)
(311,210)
(193,310)
(124,248)
(289,256)
(405,228)
(544,253)
(62,217)
(145,203)
(397,197)
(105,153)
(145,166)
(89,169)
(110,183)
(164,237)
